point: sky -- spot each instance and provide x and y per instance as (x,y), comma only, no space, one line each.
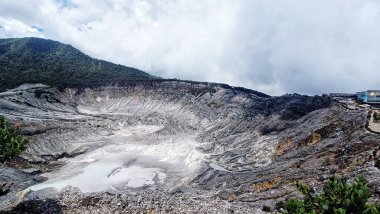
(273,46)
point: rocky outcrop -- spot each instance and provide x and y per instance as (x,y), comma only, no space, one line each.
(12,181)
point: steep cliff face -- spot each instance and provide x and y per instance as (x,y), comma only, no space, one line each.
(204,139)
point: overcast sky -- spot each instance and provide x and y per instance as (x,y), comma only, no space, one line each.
(274,46)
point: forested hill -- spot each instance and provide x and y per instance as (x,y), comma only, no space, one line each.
(35,60)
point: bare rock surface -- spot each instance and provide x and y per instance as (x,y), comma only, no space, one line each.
(72,200)
(212,146)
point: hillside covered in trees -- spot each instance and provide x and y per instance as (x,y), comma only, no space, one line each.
(35,60)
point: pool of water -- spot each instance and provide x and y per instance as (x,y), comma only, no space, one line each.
(135,177)
(131,162)
(112,174)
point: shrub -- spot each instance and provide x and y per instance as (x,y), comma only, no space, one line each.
(11,143)
(376,117)
(338,197)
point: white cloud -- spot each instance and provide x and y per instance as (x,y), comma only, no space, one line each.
(13,27)
(279,46)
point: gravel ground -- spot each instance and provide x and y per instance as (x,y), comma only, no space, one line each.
(71,200)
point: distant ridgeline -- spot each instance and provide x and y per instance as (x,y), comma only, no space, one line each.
(34,60)
(368,97)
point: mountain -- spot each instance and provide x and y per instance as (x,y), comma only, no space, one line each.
(35,60)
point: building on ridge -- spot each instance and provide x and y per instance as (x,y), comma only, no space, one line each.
(369,96)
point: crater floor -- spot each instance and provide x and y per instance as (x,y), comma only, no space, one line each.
(131,160)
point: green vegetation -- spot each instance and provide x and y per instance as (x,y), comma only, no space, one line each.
(11,143)
(369,115)
(338,197)
(376,117)
(34,60)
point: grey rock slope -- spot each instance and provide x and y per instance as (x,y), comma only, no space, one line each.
(236,145)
